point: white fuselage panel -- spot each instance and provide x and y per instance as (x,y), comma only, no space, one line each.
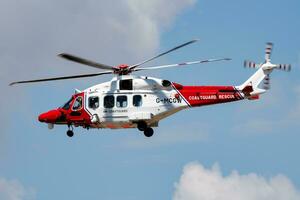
(148,100)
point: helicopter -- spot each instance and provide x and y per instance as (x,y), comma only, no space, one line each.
(130,101)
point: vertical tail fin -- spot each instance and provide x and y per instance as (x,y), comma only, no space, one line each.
(251,87)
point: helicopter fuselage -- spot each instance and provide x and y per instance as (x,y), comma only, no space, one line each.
(129,101)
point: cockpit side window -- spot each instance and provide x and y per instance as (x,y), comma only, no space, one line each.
(77,105)
(67,105)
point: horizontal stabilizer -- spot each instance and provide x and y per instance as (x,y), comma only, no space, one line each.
(252,93)
(256,97)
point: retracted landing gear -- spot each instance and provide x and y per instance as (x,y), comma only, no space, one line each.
(70,132)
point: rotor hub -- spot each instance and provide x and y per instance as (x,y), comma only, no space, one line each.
(122,69)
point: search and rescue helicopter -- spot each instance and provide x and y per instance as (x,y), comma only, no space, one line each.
(129,101)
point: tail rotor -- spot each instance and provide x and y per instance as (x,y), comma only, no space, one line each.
(268,52)
(262,77)
(267,64)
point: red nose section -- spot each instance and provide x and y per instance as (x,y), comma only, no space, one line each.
(50,116)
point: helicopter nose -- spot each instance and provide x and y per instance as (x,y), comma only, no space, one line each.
(50,116)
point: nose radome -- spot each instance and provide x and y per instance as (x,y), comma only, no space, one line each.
(50,116)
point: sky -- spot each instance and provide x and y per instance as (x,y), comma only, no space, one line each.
(242,150)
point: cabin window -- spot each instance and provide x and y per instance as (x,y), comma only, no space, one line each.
(137,100)
(93,102)
(122,101)
(126,84)
(77,105)
(109,101)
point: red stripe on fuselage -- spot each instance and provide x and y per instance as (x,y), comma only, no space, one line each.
(207,95)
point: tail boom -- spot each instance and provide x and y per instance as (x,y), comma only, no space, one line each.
(196,96)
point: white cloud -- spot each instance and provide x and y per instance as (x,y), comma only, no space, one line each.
(14,190)
(199,183)
(126,31)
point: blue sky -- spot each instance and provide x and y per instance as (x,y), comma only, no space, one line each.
(251,137)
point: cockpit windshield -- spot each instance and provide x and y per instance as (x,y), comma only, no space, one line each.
(67,105)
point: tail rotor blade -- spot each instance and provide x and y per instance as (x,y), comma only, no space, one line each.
(250,64)
(268,51)
(266,82)
(284,67)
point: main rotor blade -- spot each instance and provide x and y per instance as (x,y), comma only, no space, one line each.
(164,53)
(183,64)
(60,78)
(85,61)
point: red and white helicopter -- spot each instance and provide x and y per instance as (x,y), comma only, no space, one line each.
(129,101)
